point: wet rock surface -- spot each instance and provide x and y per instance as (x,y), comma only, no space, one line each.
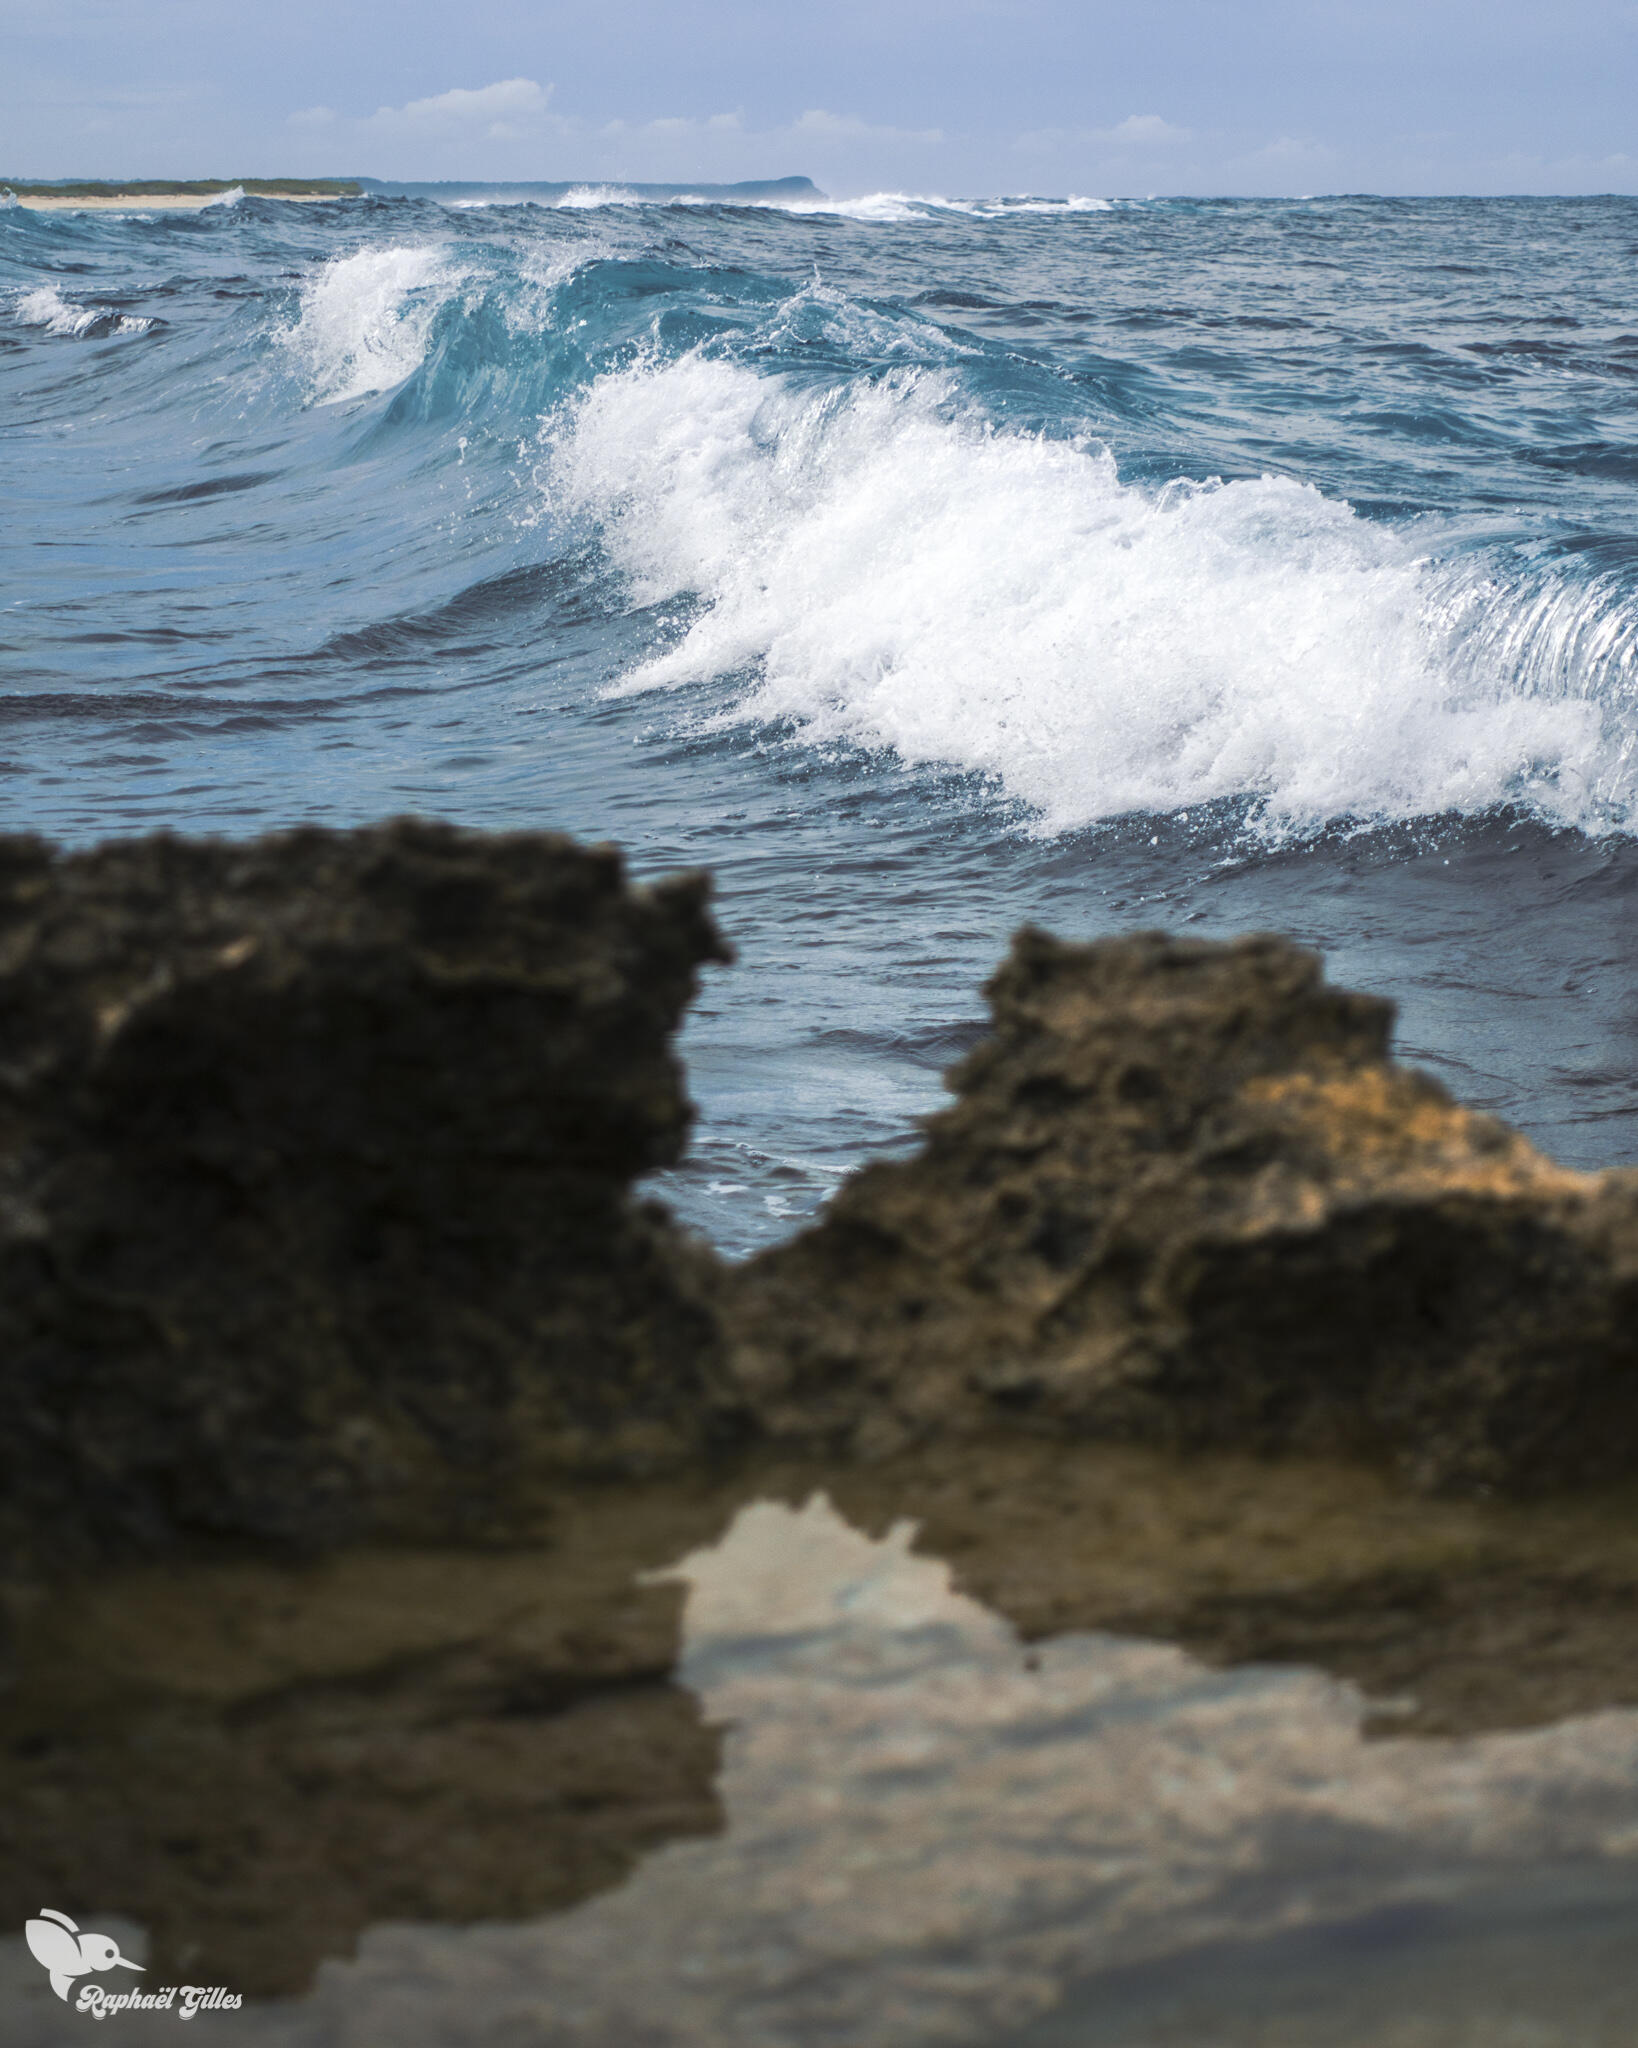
(348,1397)
(316,1224)
(927,1826)
(1184,1195)
(315,1159)
(255,1761)
(1452,1616)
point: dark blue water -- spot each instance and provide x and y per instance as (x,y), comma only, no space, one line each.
(919,569)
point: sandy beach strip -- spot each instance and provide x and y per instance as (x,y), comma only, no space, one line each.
(152,202)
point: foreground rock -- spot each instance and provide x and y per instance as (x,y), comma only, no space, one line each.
(1185,1196)
(314,1168)
(316,1225)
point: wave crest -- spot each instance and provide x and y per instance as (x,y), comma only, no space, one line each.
(878,566)
(46,307)
(365,319)
(897,209)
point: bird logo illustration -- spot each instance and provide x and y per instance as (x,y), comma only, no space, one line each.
(58,1946)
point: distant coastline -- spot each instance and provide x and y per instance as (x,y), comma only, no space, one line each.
(169,192)
(78,194)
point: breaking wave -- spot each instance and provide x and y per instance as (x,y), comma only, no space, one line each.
(365,318)
(866,552)
(895,209)
(879,566)
(46,307)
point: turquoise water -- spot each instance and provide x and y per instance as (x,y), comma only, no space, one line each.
(919,568)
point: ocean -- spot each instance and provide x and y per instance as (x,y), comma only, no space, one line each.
(922,568)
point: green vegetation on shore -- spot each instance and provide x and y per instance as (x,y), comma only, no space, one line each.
(160,188)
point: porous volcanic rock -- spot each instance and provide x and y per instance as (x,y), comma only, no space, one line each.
(1185,1196)
(315,1158)
(316,1224)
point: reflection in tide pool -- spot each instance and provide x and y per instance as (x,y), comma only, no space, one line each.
(936,1833)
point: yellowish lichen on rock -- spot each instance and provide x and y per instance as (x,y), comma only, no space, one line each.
(1185,1195)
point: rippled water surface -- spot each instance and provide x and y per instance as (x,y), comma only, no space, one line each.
(921,569)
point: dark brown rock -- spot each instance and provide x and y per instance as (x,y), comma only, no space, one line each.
(315,1213)
(1453,1615)
(257,1757)
(316,1226)
(315,1157)
(1185,1196)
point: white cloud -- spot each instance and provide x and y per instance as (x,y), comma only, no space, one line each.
(822,126)
(1137,131)
(505,110)
(664,128)
(514,129)
(1147,131)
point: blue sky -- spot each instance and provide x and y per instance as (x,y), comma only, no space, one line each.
(951,96)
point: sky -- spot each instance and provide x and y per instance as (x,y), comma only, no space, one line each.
(954,97)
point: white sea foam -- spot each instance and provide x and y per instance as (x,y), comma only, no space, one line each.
(230,197)
(1075,203)
(365,318)
(579,198)
(895,209)
(879,567)
(879,206)
(889,208)
(621,195)
(596,195)
(46,307)
(820,312)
